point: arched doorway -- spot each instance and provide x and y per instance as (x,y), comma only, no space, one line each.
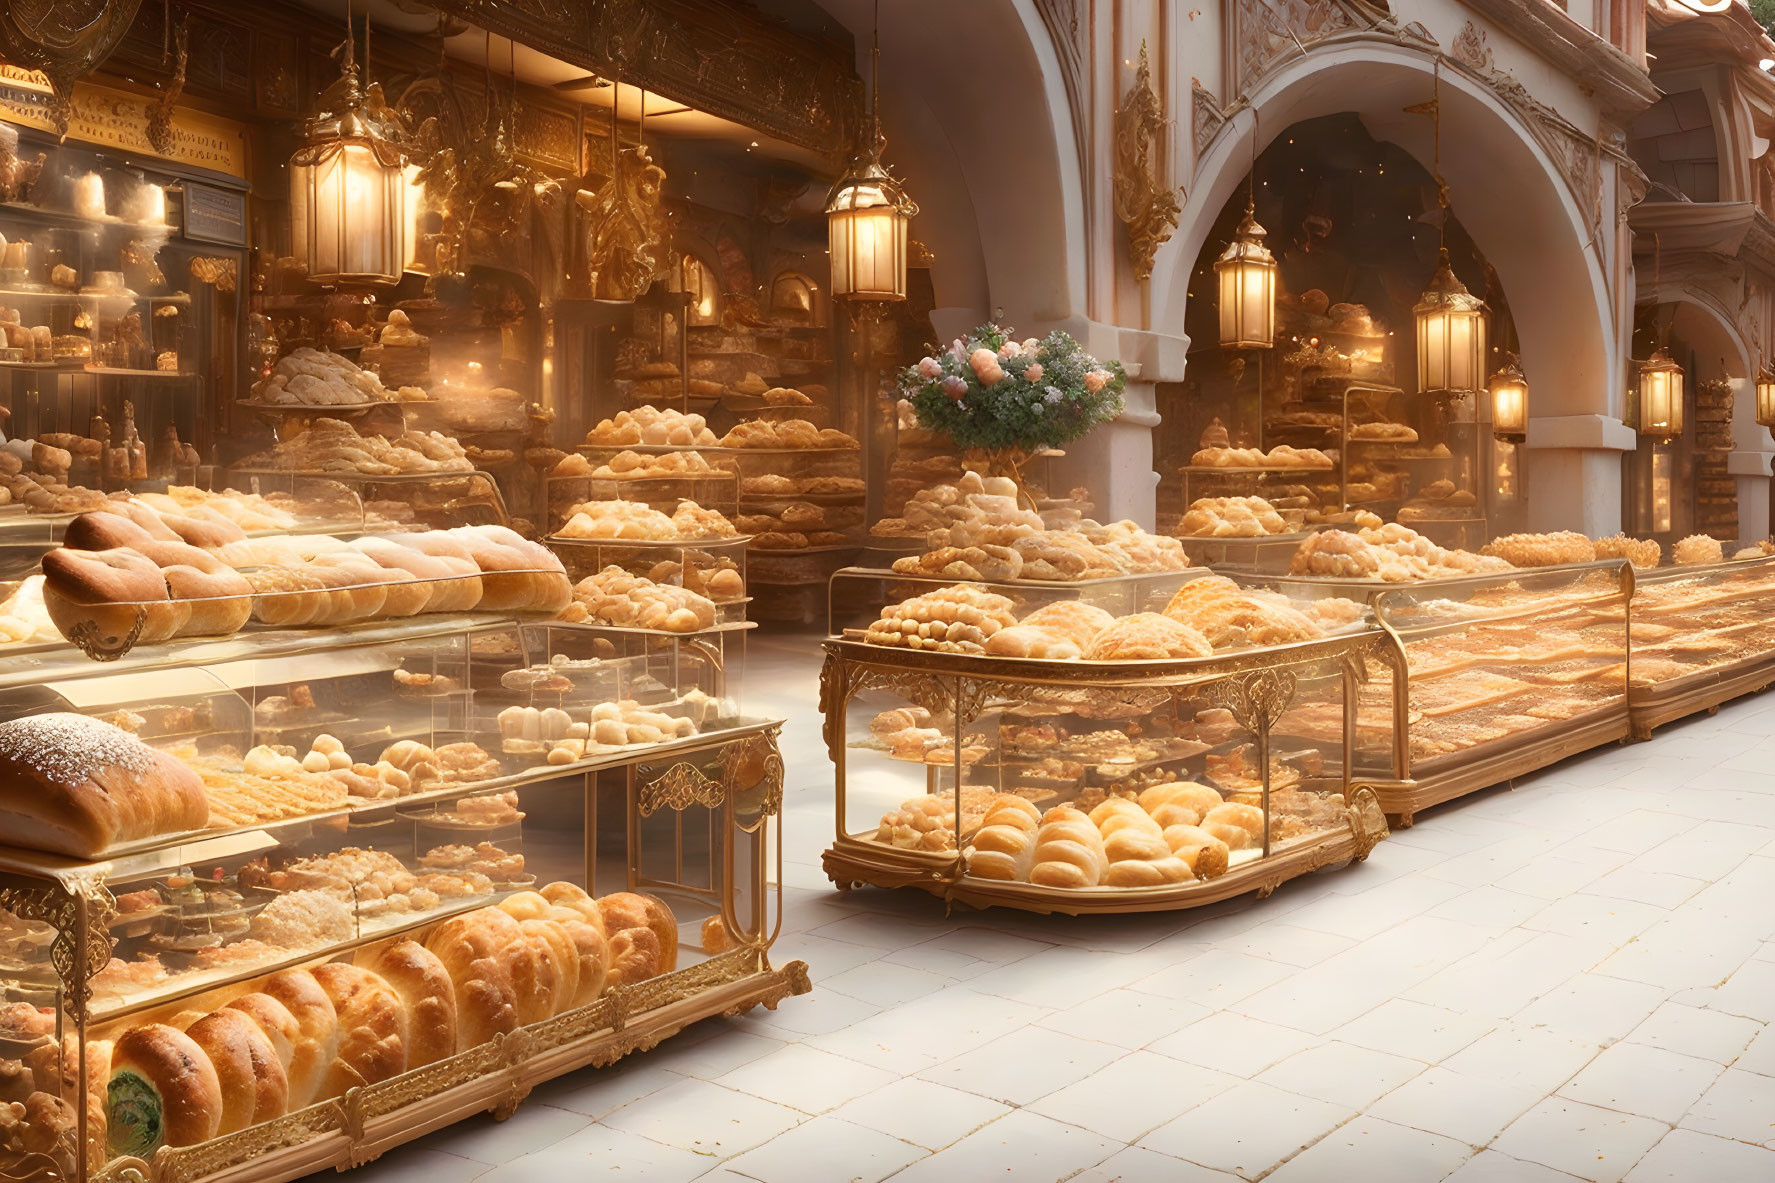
(1547,247)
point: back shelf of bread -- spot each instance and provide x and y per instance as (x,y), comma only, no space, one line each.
(130,571)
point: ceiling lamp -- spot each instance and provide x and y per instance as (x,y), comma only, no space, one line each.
(868,212)
(1451,333)
(1509,402)
(1766,397)
(1661,402)
(1247,274)
(347,216)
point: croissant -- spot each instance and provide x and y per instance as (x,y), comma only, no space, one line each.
(1205,854)
(1068,851)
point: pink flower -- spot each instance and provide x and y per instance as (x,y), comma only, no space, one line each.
(955,387)
(1010,349)
(929,367)
(1031,345)
(958,350)
(1033,373)
(1096,380)
(986,367)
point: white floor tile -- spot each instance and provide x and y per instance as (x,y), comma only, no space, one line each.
(826,1148)
(1018,1067)
(1740,1105)
(1661,889)
(884,984)
(1139,1092)
(1135,1165)
(1063,977)
(1610,920)
(610,1154)
(935,1028)
(1760,1055)
(1247,1130)
(1214,979)
(1597,1144)
(1684,1156)
(806,1078)
(1017,1146)
(713,1056)
(920,1112)
(1750,992)
(1375,1152)
(1287,943)
(1414,1030)
(1696,1031)
(1489,906)
(1592,1007)
(1523,1055)
(1648,1081)
(1341,1073)
(1470,1108)
(1488,1166)
(532,1127)
(704,1118)
(815,1013)
(1126,1018)
(1232,1042)
(593,1092)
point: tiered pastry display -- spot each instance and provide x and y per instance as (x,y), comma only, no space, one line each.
(1073,759)
(312,888)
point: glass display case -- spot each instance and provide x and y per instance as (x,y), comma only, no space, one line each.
(1503,674)
(1085,786)
(432,863)
(1702,634)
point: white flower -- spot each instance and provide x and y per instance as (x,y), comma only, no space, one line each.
(930,367)
(1010,349)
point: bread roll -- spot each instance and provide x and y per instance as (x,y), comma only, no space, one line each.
(558,971)
(275,1023)
(317,1025)
(450,583)
(162,1091)
(143,516)
(472,951)
(254,1085)
(527,905)
(106,592)
(1206,855)
(573,897)
(627,909)
(419,978)
(1068,851)
(634,957)
(74,785)
(1022,640)
(372,1027)
(592,952)
(516,574)
(107,529)
(1248,819)
(1005,842)
(1179,802)
(218,601)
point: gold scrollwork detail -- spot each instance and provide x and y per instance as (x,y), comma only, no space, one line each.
(78,952)
(752,769)
(184,1164)
(1368,822)
(99,645)
(1256,698)
(1144,203)
(678,788)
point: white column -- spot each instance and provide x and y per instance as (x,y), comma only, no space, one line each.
(1574,473)
(1749,462)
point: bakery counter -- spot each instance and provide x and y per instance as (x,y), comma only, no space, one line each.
(435,497)
(264,1001)
(1494,675)
(1702,635)
(856,594)
(1093,786)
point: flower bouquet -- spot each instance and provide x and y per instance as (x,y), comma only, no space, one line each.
(1007,400)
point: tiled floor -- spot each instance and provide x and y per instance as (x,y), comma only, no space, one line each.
(1574,979)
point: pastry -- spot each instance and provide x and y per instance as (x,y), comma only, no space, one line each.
(1643,553)
(162,1091)
(254,1085)
(476,951)
(1697,548)
(1541,550)
(1231,517)
(372,1023)
(1147,636)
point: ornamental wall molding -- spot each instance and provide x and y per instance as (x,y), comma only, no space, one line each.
(1062,20)
(1145,202)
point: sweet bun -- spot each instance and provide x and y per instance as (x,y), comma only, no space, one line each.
(1205,854)
(372,1027)
(474,952)
(627,909)
(558,970)
(426,993)
(634,957)
(573,898)
(254,1085)
(317,1026)
(162,1091)
(592,953)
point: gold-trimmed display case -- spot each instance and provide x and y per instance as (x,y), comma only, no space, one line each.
(928,744)
(1504,674)
(169,928)
(1703,634)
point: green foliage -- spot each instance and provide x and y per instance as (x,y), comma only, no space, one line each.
(989,391)
(1764,12)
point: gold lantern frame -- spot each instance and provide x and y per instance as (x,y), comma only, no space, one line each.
(1765,397)
(346,233)
(1247,264)
(1450,357)
(868,213)
(1507,389)
(1663,393)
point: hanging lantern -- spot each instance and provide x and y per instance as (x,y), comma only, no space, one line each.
(1660,397)
(1247,274)
(1451,333)
(1509,402)
(1766,397)
(866,221)
(348,212)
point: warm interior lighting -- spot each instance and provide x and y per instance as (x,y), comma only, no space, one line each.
(1509,402)
(348,203)
(866,220)
(1660,397)
(1247,274)
(1766,397)
(1451,333)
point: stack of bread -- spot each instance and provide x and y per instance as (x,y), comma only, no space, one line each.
(797,525)
(613,596)
(1231,517)
(1541,550)
(786,433)
(635,466)
(315,378)
(307,1035)
(1697,548)
(958,619)
(35,474)
(178,575)
(1280,456)
(1643,553)
(334,446)
(1174,833)
(777,485)
(650,425)
(1390,553)
(625,520)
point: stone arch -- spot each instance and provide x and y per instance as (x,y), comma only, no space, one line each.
(1506,189)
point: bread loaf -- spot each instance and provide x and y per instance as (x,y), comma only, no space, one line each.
(162,1091)
(254,1085)
(573,898)
(473,951)
(1004,843)
(627,909)
(634,956)
(317,1027)
(1206,855)
(107,591)
(516,574)
(74,785)
(426,993)
(275,1023)
(372,1027)
(1068,851)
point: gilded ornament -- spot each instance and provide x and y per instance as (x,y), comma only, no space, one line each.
(1146,206)
(623,228)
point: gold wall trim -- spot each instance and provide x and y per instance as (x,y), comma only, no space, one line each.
(118,119)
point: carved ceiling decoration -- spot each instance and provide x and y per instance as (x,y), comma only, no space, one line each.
(64,39)
(1206,117)
(622,229)
(1062,20)
(720,56)
(1145,203)
(160,116)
